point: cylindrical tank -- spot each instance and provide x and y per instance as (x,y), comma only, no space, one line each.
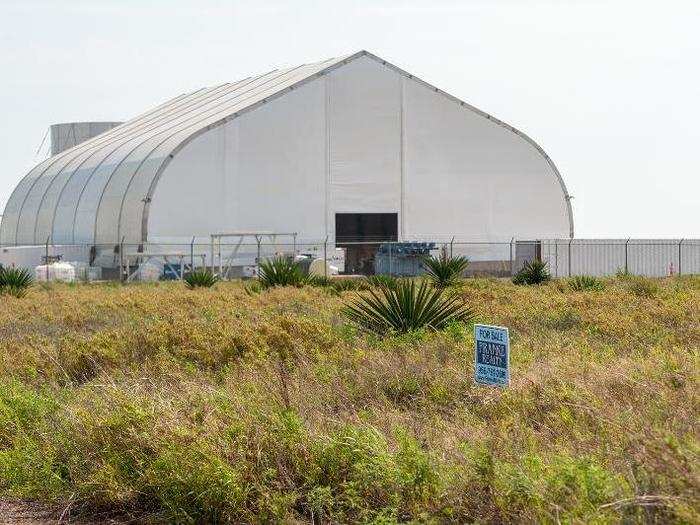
(69,134)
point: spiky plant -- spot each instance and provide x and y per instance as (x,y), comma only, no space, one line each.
(532,272)
(281,271)
(582,283)
(200,279)
(15,281)
(407,307)
(444,271)
(379,280)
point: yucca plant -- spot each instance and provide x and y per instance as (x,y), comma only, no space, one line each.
(582,283)
(407,307)
(200,279)
(281,271)
(444,271)
(15,281)
(532,272)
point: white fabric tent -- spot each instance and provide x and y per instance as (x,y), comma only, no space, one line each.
(286,151)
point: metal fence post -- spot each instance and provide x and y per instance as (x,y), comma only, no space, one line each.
(680,256)
(510,257)
(46,260)
(121,260)
(325,256)
(626,259)
(391,269)
(192,255)
(569,257)
(212,254)
(451,243)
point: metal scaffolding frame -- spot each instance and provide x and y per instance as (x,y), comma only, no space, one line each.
(259,236)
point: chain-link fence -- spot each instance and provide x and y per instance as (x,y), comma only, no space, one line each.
(238,256)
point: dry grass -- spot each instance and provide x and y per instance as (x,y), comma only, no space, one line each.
(217,405)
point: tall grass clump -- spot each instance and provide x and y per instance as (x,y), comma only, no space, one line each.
(281,271)
(584,283)
(381,280)
(200,279)
(444,271)
(641,286)
(532,272)
(15,281)
(408,307)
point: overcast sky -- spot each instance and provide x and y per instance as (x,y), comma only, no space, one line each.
(610,89)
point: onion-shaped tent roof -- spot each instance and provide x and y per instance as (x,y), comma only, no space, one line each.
(99,191)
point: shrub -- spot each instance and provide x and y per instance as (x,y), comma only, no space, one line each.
(582,283)
(445,271)
(378,281)
(318,280)
(281,271)
(15,281)
(348,285)
(407,307)
(200,279)
(642,286)
(532,272)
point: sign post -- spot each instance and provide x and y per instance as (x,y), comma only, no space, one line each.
(491,355)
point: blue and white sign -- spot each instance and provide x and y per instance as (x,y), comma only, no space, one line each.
(491,355)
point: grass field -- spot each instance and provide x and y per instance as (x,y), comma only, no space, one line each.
(168,404)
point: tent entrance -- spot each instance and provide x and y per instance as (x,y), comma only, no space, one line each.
(361,234)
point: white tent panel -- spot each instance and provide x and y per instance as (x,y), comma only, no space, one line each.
(365,139)
(237,176)
(47,170)
(470,176)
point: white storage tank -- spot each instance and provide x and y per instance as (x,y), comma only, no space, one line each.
(69,134)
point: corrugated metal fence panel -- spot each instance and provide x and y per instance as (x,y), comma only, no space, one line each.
(600,257)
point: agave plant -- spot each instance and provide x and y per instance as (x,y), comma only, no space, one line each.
(407,307)
(281,271)
(444,271)
(201,279)
(15,281)
(532,272)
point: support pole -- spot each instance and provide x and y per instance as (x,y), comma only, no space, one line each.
(212,254)
(47,258)
(626,258)
(192,255)
(570,241)
(512,261)
(680,257)
(121,260)
(325,257)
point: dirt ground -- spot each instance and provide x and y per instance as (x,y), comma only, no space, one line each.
(14,512)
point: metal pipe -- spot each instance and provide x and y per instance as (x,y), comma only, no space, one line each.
(46,260)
